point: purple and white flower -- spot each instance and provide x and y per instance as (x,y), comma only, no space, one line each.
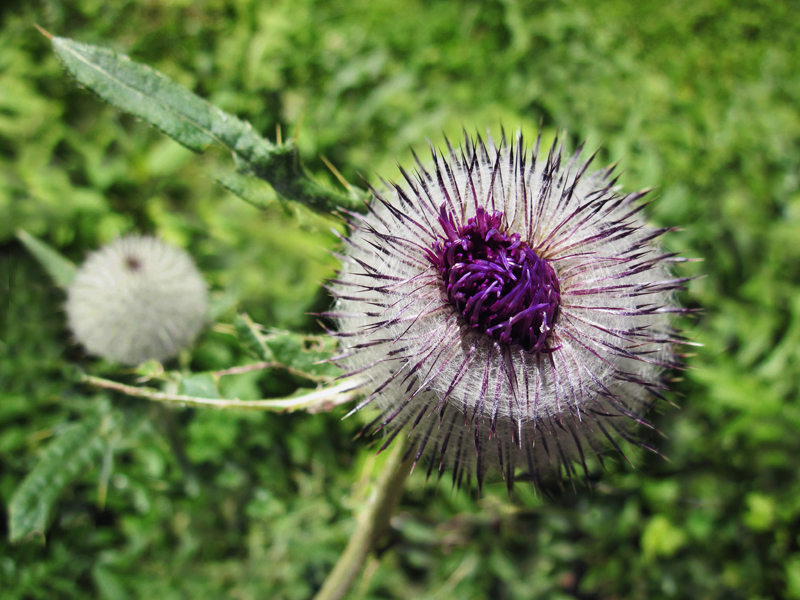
(506,311)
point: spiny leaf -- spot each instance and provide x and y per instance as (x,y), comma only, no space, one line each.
(195,123)
(146,93)
(59,268)
(80,446)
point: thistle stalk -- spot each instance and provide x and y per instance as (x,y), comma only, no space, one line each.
(372,523)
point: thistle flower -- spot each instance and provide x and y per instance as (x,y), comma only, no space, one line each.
(508,312)
(136,299)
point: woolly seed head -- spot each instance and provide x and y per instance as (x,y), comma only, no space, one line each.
(507,311)
(137,299)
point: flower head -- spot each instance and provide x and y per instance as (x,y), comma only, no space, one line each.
(137,299)
(505,310)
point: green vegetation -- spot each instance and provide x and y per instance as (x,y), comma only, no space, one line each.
(698,99)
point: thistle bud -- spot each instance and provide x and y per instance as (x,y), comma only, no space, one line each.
(506,311)
(136,299)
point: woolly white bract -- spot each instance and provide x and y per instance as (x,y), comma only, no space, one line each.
(507,311)
(136,299)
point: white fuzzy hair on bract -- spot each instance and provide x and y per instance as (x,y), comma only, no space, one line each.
(471,398)
(136,299)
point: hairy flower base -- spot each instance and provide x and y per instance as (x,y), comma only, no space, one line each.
(508,313)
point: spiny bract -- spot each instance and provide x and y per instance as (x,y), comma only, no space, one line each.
(508,311)
(137,299)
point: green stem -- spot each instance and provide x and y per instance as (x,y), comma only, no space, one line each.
(319,400)
(370,527)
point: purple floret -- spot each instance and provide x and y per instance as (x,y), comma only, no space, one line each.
(496,281)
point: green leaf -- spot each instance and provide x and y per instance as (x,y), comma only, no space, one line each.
(200,385)
(195,123)
(59,268)
(303,354)
(146,93)
(79,447)
(252,337)
(251,190)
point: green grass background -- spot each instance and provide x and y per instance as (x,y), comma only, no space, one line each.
(699,99)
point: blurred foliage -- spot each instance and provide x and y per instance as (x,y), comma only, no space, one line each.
(699,99)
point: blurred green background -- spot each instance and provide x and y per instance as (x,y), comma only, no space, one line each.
(699,99)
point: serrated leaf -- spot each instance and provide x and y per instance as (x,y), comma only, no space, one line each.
(146,93)
(59,268)
(79,447)
(195,123)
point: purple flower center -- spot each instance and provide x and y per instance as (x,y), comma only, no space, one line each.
(496,281)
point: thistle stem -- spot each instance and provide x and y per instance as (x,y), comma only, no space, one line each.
(321,399)
(372,523)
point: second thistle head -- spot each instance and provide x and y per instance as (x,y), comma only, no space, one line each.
(507,310)
(137,299)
